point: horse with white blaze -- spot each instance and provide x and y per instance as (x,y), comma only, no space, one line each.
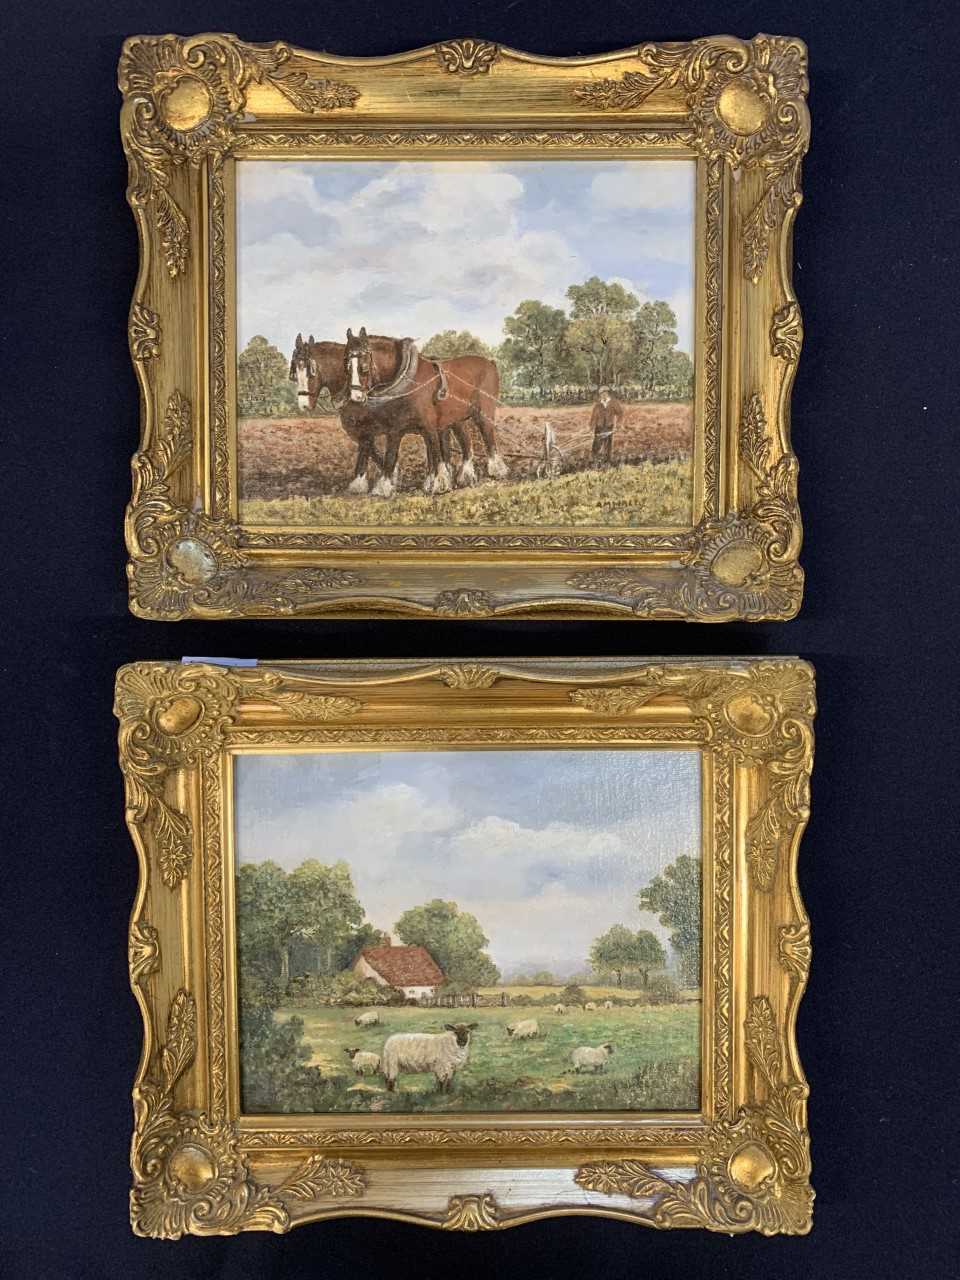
(415,1051)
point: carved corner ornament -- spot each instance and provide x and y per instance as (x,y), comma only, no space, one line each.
(182,560)
(182,97)
(762,715)
(189,1175)
(754,1171)
(741,565)
(747,99)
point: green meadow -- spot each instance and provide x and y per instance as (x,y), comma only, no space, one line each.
(654,1067)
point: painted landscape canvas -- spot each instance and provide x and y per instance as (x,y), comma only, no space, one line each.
(457,931)
(469,343)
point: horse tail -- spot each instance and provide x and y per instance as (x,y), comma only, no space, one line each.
(487,394)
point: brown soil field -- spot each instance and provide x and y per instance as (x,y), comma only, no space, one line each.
(312,457)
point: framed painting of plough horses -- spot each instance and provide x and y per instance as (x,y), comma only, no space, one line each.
(464,332)
(468,944)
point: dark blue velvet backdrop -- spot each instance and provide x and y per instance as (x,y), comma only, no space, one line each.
(874,427)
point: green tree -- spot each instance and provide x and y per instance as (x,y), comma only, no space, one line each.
(535,350)
(542,978)
(676,375)
(455,940)
(449,343)
(653,335)
(324,907)
(600,328)
(265,922)
(649,954)
(263,380)
(315,902)
(675,897)
(619,950)
(357,941)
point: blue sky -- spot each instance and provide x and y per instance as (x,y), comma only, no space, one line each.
(412,247)
(547,848)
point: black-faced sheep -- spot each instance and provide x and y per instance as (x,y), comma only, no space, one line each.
(586,1058)
(442,1054)
(364,1063)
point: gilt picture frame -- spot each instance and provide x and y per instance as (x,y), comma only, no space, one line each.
(582,267)
(234,772)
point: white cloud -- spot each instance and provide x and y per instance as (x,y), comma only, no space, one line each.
(650,184)
(415,250)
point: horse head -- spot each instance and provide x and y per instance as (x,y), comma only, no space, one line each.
(358,364)
(305,373)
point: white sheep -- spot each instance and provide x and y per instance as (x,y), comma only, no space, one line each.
(608,1004)
(590,1007)
(585,1057)
(363,1063)
(526,1029)
(369,1019)
(559,1008)
(442,1054)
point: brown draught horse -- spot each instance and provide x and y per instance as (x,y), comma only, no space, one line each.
(384,387)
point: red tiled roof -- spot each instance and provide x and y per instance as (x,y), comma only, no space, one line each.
(404,966)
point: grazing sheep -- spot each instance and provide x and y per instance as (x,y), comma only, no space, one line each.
(442,1054)
(595,1059)
(608,1004)
(527,1029)
(363,1063)
(590,1007)
(369,1019)
(559,1008)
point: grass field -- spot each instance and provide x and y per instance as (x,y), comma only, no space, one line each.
(655,1065)
(296,470)
(643,494)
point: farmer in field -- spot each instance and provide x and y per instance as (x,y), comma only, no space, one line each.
(606,417)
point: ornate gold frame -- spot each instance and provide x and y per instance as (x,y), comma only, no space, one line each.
(741,1163)
(195,106)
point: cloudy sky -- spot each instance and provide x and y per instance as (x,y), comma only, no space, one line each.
(546,848)
(413,247)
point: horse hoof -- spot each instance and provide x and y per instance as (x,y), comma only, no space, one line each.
(496,467)
(359,484)
(383,488)
(429,483)
(467,474)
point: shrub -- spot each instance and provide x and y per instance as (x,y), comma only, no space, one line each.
(273,1071)
(662,989)
(522,999)
(572,994)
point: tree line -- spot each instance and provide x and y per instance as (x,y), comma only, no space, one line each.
(606,337)
(316,906)
(674,896)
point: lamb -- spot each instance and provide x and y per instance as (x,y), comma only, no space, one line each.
(590,1007)
(527,1029)
(364,1063)
(442,1054)
(608,1004)
(369,1019)
(559,1008)
(586,1057)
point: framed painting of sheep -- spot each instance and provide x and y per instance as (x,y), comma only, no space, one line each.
(433,910)
(429,364)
